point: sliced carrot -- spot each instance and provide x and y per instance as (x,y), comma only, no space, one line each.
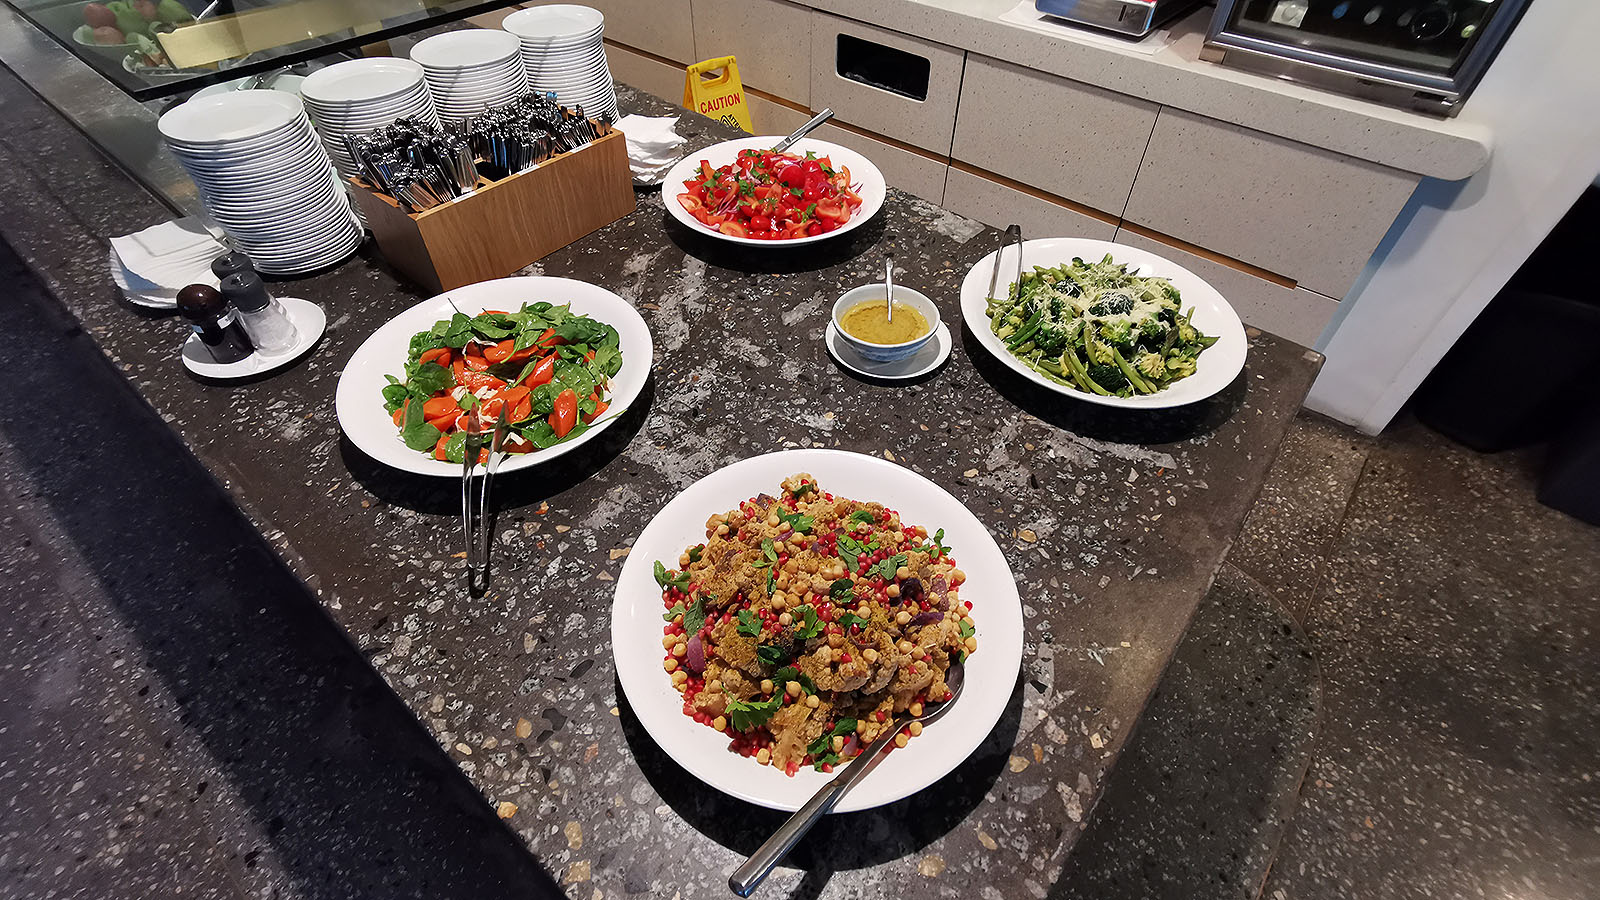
(438,406)
(440,355)
(476,363)
(438,448)
(499,352)
(444,421)
(600,406)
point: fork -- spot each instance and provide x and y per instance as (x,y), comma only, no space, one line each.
(497,455)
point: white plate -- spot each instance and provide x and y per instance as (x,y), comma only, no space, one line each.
(358,401)
(1215,368)
(468,48)
(554,21)
(361,81)
(289,84)
(234,116)
(991,672)
(873,188)
(931,356)
(309,322)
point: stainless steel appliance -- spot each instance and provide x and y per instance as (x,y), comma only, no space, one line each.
(1132,17)
(1422,54)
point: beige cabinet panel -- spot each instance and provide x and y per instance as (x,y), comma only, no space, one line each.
(773,118)
(662,27)
(1293,313)
(771,38)
(927,123)
(646,73)
(1290,208)
(995,204)
(1064,137)
(913,173)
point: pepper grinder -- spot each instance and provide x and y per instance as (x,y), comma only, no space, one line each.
(261,314)
(216,324)
(229,263)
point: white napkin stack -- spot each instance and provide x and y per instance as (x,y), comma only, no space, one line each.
(654,146)
(152,265)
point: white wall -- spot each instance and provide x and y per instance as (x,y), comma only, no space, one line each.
(1457,243)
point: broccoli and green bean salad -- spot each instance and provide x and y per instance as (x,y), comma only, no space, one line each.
(1099,328)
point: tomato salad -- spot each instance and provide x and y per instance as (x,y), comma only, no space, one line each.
(772,196)
(549,369)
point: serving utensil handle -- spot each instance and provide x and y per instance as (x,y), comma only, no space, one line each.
(749,876)
(803,130)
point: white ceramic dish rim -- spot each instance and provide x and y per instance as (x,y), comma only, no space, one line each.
(466,48)
(873,187)
(1216,368)
(211,116)
(360,409)
(997,610)
(303,313)
(524,22)
(334,84)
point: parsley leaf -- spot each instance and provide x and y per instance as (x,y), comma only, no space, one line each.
(810,626)
(746,715)
(886,567)
(850,550)
(800,522)
(939,549)
(967,628)
(666,579)
(695,618)
(694,553)
(846,619)
(841,589)
(749,625)
(863,515)
(771,552)
(789,673)
(673,613)
(771,654)
(805,488)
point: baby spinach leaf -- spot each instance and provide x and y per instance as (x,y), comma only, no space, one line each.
(430,378)
(394,395)
(455,449)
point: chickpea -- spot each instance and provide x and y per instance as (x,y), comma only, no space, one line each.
(837,572)
(861,726)
(668,640)
(719,723)
(772,520)
(907,646)
(780,601)
(679,650)
(671,664)
(972,644)
(900,740)
(782,579)
(763,756)
(683,560)
(722,530)
(893,591)
(838,742)
(915,708)
(793,688)
(766,685)
(955,596)
(813,702)
(870,654)
(957,576)
(835,640)
(825,654)
(785,619)
(864,611)
(783,527)
(902,617)
(916,728)
(680,678)
(903,572)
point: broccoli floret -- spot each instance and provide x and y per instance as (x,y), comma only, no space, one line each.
(1187,334)
(1118,334)
(1151,366)
(1112,303)
(1180,367)
(1152,332)
(1052,338)
(1099,352)
(1108,376)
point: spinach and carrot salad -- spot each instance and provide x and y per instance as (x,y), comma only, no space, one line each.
(549,369)
(1099,328)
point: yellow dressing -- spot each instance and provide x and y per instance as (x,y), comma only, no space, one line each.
(869,321)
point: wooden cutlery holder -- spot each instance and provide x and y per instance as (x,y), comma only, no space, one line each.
(507,224)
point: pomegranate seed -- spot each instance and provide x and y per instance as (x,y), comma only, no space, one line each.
(828,768)
(879,715)
(967,603)
(844,658)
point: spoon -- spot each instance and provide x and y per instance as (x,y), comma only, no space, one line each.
(802,131)
(749,876)
(888,283)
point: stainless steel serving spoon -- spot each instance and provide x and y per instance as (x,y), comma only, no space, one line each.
(802,131)
(749,876)
(888,283)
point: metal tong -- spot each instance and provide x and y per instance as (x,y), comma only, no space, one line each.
(475,524)
(1013,232)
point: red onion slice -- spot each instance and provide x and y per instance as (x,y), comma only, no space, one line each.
(695,658)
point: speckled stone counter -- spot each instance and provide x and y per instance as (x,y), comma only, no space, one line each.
(1115,525)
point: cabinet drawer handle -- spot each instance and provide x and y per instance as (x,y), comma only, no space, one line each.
(885,68)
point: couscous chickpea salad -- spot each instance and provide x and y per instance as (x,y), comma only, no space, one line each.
(805,622)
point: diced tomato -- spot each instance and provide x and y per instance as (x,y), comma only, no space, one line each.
(690,202)
(831,212)
(565,413)
(760,223)
(733,229)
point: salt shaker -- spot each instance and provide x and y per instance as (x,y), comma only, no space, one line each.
(216,324)
(262,315)
(229,263)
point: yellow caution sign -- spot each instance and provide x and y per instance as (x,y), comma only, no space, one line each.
(718,96)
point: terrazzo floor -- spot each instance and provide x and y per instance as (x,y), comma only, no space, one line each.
(1388,693)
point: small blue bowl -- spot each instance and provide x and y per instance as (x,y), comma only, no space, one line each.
(875,292)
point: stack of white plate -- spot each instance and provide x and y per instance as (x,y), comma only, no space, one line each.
(564,54)
(265,178)
(470,71)
(361,96)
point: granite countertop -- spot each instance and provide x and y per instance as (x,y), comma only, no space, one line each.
(1175,76)
(1114,524)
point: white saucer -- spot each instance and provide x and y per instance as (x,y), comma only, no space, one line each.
(309,321)
(930,357)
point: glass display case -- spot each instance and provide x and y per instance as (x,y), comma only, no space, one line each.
(158,48)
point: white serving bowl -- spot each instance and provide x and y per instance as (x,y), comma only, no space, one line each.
(885,352)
